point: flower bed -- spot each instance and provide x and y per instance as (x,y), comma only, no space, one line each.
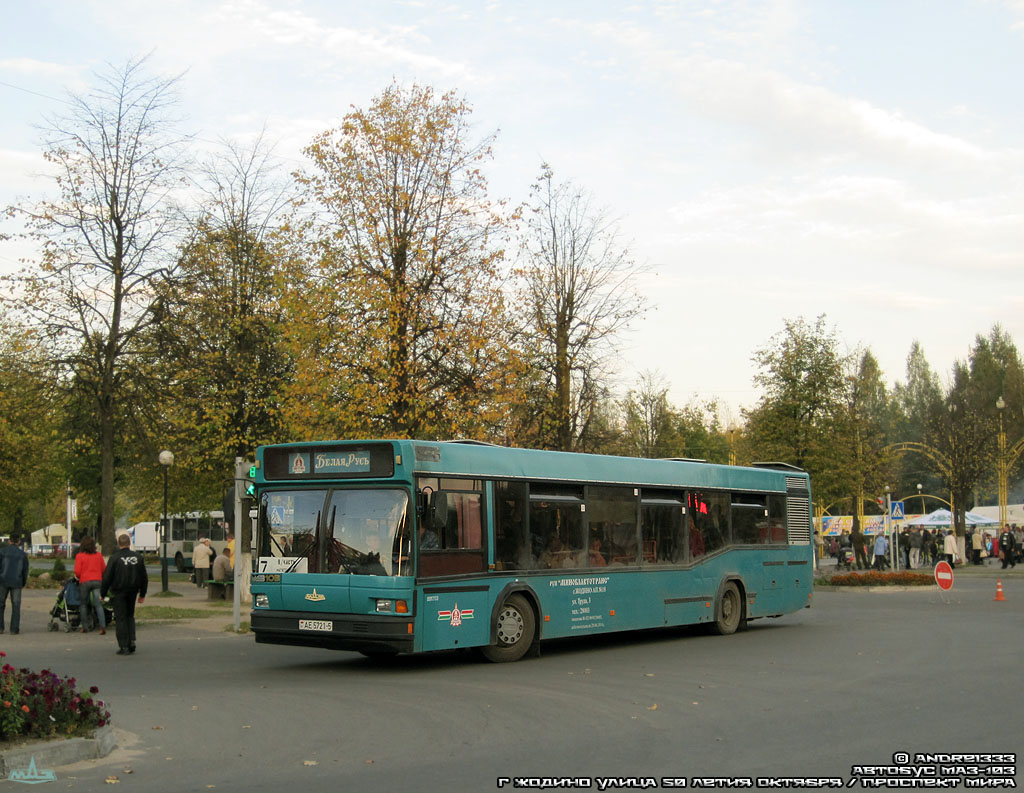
(872,578)
(44,705)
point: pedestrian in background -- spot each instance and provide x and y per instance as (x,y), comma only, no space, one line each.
(89,569)
(222,570)
(915,548)
(125,579)
(13,577)
(858,548)
(881,545)
(949,548)
(1007,548)
(201,556)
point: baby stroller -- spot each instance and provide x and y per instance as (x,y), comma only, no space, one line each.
(66,609)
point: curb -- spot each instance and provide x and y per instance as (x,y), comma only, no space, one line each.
(922,588)
(47,754)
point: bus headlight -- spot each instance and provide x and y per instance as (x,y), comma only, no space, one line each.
(384,606)
(260,601)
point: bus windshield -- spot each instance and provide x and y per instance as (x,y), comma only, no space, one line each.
(354,531)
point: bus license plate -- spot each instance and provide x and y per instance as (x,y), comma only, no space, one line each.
(316,625)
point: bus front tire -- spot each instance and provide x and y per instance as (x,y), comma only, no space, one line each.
(729,613)
(515,629)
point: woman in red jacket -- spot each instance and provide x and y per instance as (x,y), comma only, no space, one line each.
(89,567)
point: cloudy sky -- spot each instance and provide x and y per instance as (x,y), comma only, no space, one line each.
(766,160)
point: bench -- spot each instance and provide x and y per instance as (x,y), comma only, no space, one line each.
(220,590)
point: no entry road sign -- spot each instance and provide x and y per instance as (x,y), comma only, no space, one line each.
(944,575)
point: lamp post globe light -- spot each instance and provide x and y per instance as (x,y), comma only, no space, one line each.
(166,460)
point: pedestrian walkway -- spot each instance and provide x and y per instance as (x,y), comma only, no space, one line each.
(37,603)
(992,567)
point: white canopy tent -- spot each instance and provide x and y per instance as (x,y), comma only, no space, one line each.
(943,517)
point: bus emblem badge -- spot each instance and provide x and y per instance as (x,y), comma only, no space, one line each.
(455,616)
(315,596)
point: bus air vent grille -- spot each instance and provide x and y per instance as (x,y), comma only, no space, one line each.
(799,520)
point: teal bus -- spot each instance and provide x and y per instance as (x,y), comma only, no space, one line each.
(402,546)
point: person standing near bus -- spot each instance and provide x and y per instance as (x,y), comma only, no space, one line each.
(125,579)
(13,577)
(89,569)
(201,556)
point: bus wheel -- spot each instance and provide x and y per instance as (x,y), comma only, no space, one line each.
(730,610)
(515,628)
(179,562)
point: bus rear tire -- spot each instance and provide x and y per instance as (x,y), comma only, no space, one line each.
(515,629)
(729,611)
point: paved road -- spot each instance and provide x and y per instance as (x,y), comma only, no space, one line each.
(855,679)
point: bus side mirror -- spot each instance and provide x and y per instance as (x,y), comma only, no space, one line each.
(423,501)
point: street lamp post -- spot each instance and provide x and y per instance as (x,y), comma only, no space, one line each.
(920,487)
(1001,466)
(166,460)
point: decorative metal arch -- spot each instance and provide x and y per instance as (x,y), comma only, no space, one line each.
(1013,453)
(937,457)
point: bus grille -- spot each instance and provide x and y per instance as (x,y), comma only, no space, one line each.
(798,516)
(796,484)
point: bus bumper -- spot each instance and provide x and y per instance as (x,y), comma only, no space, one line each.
(360,632)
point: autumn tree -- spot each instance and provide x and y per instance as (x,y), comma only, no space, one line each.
(860,465)
(218,341)
(578,295)
(400,328)
(966,435)
(996,370)
(104,240)
(912,403)
(800,374)
(649,420)
(30,466)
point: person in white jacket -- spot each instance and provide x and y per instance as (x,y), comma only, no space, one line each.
(949,548)
(201,556)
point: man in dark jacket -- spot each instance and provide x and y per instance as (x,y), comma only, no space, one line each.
(125,579)
(13,577)
(1007,549)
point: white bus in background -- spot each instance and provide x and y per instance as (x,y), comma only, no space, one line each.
(187,530)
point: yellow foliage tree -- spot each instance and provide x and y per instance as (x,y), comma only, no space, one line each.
(400,328)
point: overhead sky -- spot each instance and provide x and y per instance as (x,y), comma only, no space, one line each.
(765,160)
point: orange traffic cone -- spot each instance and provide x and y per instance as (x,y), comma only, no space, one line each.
(999,590)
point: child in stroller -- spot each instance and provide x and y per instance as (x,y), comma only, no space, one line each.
(67,608)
